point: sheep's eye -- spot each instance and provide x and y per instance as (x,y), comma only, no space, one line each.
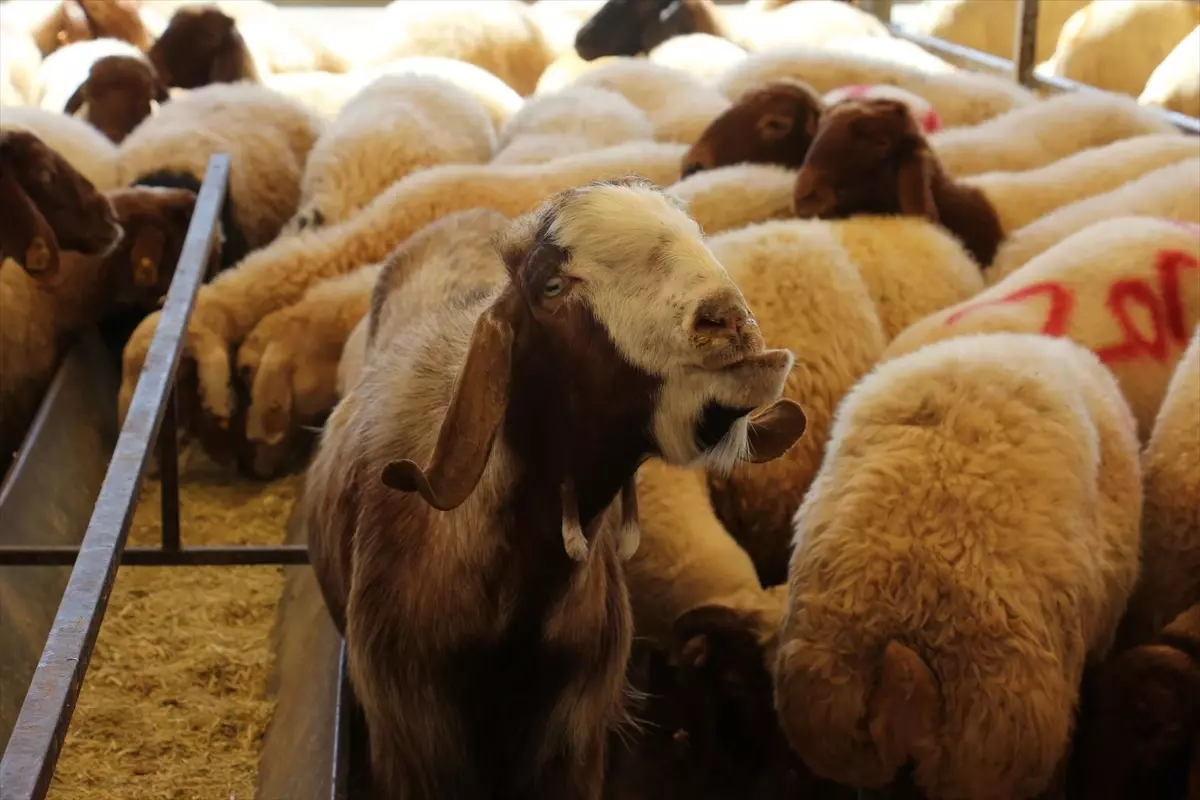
(553,287)
(45,177)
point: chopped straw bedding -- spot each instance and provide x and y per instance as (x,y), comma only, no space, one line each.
(174,705)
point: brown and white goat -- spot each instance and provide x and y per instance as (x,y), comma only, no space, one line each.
(39,313)
(772,124)
(482,596)
(1139,727)
(118,92)
(202,45)
(48,205)
(869,156)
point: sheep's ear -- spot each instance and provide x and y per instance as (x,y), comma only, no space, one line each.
(774,429)
(229,64)
(75,101)
(1186,625)
(772,127)
(25,235)
(162,94)
(903,711)
(146,255)
(473,417)
(812,198)
(915,186)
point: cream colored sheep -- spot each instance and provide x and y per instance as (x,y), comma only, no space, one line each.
(499,36)
(292,358)
(397,125)
(1175,83)
(969,544)
(267,135)
(961,98)
(1168,192)
(326,93)
(85,148)
(1116,44)
(1170,581)
(1040,133)
(569,122)
(228,308)
(990,25)
(560,20)
(1127,288)
(727,198)
(895,51)
(796,273)
(702,55)
(679,106)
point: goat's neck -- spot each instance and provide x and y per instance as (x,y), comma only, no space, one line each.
(966,212)
(583,424)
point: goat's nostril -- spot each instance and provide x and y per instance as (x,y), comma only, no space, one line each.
(717,319)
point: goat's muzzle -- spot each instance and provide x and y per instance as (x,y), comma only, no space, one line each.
(723,328)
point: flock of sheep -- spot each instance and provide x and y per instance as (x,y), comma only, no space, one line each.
(720,403)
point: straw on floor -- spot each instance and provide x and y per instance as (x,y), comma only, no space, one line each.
(174,704)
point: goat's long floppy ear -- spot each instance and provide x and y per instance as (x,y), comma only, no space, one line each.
(473,417)
(25,235)
(75,101)
(903,711)
(812,199)
(774,429)
(914,182)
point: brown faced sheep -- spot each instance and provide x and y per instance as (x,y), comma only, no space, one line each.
(870,157)
(706,724)
(1139,727)
(633,27)
(488,642)
(118,92)
(48,205)
(883,165)
(773,124)
(202,45)
(39,314)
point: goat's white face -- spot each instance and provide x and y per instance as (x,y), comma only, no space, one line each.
(641,266)
(614,281)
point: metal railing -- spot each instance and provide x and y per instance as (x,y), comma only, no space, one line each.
(29,760)
(1021,68)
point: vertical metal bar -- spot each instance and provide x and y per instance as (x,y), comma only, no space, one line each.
(1025,41)
(168,466)
(32,752)
(343,716)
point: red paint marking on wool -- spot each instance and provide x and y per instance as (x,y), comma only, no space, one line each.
(1170,264)
(1062,301)
(1134,345)
(931,122)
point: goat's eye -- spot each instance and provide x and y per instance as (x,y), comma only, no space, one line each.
(553,287)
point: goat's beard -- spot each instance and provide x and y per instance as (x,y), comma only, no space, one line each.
(733,447)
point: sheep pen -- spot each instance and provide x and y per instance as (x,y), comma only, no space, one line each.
(201,681)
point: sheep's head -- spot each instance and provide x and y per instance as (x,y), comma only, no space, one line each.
(1140,720)
(201,46)
(118,92)
(618,336)
(155,222)
(921,108)
(868,157)
(117,19)
(773,124)
(48,205)
(708,726)
(633,27)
